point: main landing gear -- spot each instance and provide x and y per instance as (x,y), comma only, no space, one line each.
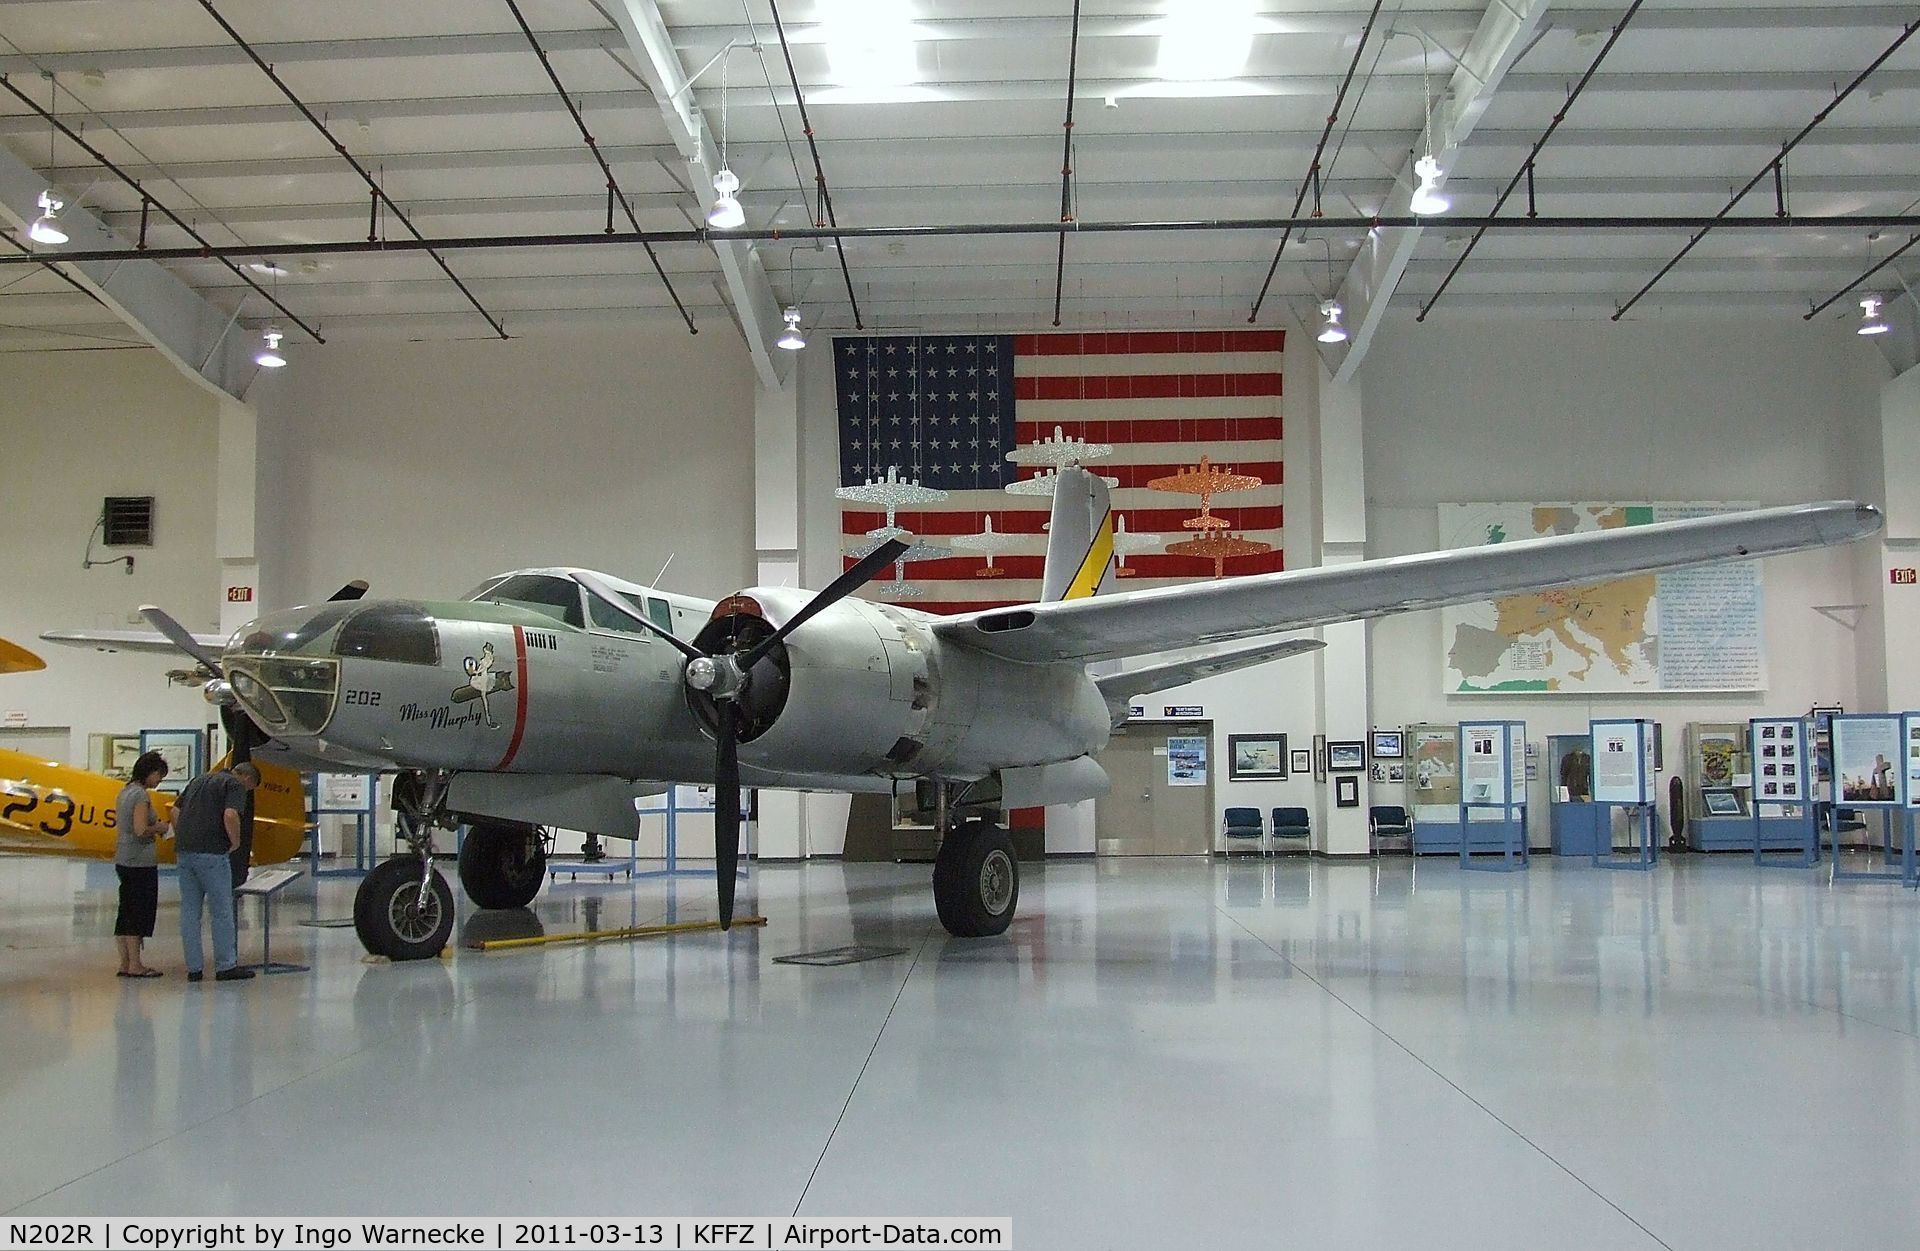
(976,877)
(503,863)
(404,908)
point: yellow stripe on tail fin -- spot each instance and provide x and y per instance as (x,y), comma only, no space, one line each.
(1079,537)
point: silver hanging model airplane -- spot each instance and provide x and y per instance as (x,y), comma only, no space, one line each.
(554,697)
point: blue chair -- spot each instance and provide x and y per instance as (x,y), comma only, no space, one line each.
(1388,821)
(1244,823)
(1292,823)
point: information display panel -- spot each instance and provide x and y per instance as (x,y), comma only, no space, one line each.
(1486,751)
(1781,767)
(1622,762)
(1869,751)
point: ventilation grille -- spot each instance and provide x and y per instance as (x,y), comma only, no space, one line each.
(129,521)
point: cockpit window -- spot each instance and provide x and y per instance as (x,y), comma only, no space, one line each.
(480,591)
(558,598)
(605,616)
(391,630)
(298,637)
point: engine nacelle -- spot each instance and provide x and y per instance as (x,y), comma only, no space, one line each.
(870,690)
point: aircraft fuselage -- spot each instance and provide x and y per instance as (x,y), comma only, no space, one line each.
(872,695)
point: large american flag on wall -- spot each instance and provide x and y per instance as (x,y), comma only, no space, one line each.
(946,409)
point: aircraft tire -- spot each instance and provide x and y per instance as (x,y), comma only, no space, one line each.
(388,918)
(502,865)
(976,880)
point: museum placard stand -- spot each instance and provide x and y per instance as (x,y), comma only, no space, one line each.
(1493,794)
(266,883)
(1874,756)
(1782,780)
(1623,769)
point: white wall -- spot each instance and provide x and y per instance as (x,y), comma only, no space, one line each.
(1772,412)
(424,467)
(76,427)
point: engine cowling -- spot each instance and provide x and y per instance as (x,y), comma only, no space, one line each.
(865,689)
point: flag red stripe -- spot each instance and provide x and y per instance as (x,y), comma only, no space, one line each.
(1169,429)
(1146,342)
(1145,564)
(1269,472)
(1146,386)
(1031,519)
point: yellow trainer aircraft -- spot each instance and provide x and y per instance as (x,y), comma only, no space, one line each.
(51,809)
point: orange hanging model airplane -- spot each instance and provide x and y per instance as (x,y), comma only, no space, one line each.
(51,809)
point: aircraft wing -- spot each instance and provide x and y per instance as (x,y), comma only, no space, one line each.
(130,640)
(1120,688)
(17,659)
(1134,623)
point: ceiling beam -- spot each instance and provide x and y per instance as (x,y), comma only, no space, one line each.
(702,36)
(203,342)
(303,52)
(1506,30)
(755,307)
(750,99)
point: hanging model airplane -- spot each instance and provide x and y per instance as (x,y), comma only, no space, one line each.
(553,697)
(51,809)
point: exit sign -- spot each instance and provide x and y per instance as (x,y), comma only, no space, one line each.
(1904,577)
(239,595)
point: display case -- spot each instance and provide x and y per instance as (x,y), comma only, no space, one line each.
(1433,787)
(1718,771)
(1574,819)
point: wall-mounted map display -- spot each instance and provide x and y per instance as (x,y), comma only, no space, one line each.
(1692,630)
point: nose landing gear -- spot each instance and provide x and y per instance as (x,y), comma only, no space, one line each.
(404,908)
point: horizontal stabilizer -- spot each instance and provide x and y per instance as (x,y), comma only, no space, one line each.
(131,640)
(1120,688)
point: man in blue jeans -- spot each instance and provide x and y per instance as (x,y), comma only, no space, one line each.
(206,830)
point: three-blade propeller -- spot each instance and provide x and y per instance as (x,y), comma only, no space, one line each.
(724,677)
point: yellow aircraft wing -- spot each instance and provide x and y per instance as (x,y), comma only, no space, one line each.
(17,659)
(48,808)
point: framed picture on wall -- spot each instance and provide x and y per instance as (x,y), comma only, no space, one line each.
(1346,791)
(1257,757)
(1388,745)
(1346,756)
(1319,757)
(1302,760)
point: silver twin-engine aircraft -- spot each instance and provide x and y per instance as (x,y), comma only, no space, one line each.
(552,698)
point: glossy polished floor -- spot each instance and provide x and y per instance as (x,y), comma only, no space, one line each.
(1162,1054)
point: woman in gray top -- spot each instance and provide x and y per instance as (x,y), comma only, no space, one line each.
(137,863)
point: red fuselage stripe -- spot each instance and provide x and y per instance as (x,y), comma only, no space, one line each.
(519,697)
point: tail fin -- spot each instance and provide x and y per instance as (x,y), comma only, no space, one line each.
(1080,537)
(279,812)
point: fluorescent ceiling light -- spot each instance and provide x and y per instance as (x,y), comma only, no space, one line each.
(870,43)
(1871,320)
(46,227)
(1427,198)
(273,269)
(1332,331)
(791,338)
(268,357)
(1206,40)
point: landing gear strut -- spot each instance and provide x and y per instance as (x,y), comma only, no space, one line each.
(404,908)
(976,877)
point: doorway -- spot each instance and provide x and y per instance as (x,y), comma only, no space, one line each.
(1147,813)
